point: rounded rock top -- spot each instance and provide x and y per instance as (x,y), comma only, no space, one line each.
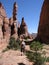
(6,20)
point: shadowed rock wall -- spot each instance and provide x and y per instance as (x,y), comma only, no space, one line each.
(43,29)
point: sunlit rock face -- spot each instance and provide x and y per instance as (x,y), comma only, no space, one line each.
(4,21)
(6,28)
(13,22)
(2,16)
(2,11)
(23,27)
(1,33)
(43,29)
(24,30)
(10,27)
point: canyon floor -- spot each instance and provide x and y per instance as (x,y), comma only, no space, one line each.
(13,57)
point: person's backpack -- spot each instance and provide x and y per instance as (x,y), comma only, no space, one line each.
(22,46)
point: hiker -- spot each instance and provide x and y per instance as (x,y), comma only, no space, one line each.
(22,47)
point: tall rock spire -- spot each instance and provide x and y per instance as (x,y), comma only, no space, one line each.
(14,22)
(43,29)
(14,11)
(23,27)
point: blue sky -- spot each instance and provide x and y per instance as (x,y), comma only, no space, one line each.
(29,9)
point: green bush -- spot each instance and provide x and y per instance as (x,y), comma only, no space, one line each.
(38,59)
(13,44)
(29,55)
(37,56)
(47,59)
(36,46)
(18,42)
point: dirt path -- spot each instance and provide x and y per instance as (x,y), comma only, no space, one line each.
(12,57)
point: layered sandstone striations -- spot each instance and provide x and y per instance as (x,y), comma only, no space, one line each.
(43,29)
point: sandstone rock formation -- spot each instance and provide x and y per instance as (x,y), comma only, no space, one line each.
(4,22)
(23,27)
(1,33)
(14,11)
(19,29)
(2,17)
(2,11)
(24,34)
(6,28)
(43,29)
(11,27)
(13,22)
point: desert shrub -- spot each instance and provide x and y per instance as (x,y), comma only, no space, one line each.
(37,56)
(38,59)
(18,42)
(36,46)
(47,59)
(29,55)
(13,44)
